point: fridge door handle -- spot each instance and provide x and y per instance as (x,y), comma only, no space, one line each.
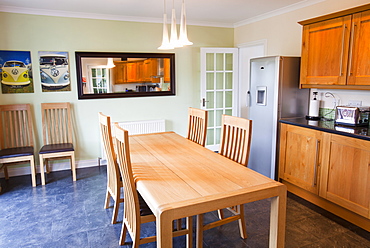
(248,100)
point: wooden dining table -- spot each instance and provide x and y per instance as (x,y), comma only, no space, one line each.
(179,178)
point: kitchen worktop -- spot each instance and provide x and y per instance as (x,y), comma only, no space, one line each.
(331,127)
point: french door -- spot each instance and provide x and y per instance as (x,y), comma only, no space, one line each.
(219,82)
(99,79)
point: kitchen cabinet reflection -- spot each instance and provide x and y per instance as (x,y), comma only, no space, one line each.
(106,75)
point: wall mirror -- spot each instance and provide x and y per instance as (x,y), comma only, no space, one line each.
(112,75)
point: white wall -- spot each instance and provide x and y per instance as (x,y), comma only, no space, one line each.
(43,33)
(284,34)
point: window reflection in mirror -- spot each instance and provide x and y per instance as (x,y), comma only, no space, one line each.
(105,75)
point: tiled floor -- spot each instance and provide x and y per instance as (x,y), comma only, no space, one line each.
(67,214)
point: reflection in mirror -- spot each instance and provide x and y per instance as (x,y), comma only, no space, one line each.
(106,75)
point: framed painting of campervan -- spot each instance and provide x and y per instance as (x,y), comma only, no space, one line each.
(16,72)
(54,71)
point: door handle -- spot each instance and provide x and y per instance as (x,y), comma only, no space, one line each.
(204,102)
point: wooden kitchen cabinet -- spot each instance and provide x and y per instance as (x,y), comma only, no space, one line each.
(324,52)
(120,72)
(329,170)
(150,69)
(335,50)
(167,70)
(300,156)
(346,173)
(359,65)
(132,72)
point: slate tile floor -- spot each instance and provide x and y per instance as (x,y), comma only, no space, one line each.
(71,214)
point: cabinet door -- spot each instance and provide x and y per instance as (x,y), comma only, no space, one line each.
(147,70)
(167,70)
(359,64)
(120,72)
(140,71)
(132,72)
(325,47)
(346,174)
(300,156)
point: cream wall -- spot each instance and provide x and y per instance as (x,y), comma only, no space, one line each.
(43,33)
(283,35)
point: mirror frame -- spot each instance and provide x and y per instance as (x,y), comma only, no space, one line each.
(124,55)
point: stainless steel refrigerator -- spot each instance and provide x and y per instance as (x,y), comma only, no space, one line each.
(273,94)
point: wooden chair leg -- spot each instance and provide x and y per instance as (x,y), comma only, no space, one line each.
(241,221)
(46,164)
(42,170)
(189,226)
(33,172)
(107,200)
(199,235)
(220,214)
(73,167)
(123,234)
(6,172)
(115,210)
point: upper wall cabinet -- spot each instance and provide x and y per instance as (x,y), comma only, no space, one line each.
(336,52)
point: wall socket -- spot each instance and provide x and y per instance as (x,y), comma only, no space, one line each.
(354,103)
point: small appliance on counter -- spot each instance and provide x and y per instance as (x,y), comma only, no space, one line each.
(140,88)
(313,112)
(352,116)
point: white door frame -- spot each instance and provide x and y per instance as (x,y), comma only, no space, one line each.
(247,51)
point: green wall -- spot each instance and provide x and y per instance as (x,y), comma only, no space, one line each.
(44,33)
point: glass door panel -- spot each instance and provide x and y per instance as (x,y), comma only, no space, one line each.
(219,77)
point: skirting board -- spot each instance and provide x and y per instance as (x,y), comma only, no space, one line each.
(55,166)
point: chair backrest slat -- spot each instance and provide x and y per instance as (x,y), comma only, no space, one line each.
(197,125)
(131,203)
(113,173)
(16,126)
(236,138)
(57,123)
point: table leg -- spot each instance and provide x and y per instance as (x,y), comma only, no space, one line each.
(277,220)
(164,231)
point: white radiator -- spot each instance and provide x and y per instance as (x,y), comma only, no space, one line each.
(141,127)
(138,127)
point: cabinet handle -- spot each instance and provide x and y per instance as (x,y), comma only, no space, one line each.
(351,48)
(316,163)
(341,55)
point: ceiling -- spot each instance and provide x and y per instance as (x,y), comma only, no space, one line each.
(219,13)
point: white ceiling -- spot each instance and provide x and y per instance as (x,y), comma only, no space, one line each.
(220,13)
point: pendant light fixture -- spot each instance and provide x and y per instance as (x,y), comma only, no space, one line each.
(166,45)
(183,30)
(110,63)
(174,41)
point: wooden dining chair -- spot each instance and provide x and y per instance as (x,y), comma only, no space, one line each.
(114,183)
(235,143)
(16,137)
(136,211)
(57,136)
(197,125)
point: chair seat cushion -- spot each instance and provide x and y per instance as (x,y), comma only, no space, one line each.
(16,152)
(64,147)
(144,208)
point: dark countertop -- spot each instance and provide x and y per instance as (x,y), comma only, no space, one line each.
(330,127)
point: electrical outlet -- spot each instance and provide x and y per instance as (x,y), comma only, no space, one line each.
(354,103)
